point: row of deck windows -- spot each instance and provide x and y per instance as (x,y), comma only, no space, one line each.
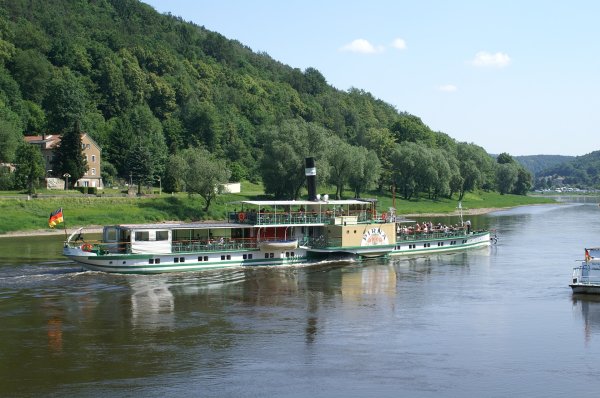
(426,245)
(287,254)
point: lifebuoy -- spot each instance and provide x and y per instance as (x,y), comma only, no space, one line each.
(241,216)
(86,247)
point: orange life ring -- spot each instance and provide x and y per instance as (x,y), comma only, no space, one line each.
(86,247)
(241,216)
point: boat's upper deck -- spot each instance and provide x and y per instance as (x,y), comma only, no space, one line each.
(303,212)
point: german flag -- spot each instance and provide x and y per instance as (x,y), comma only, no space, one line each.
(56,217)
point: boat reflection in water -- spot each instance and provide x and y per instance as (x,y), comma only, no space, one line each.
(590,311)
(152,303)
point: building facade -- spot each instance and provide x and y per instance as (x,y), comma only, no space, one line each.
(91,151)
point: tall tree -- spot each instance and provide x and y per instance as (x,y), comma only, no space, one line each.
(65,101)
(365,170)
(285,148)
(204,174)
(141,163)
(29,167)
(69,157)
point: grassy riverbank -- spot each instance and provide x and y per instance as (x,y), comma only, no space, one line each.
(21,214)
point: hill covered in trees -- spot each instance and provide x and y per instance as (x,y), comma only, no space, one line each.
(155,92)
(536,163)
(581,171)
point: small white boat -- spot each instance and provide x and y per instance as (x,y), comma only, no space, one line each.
(586,277)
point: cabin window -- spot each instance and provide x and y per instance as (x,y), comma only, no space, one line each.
(249,256)
(142,236)
(287,254)
(199,258)
(229,257)
(205,258)
(162,235)
(222,257)
(271,255)
(245,257)
(293,254)
(157,261)
(111,234)
(124,262)
(151,261)
(176,259)
(266,255)
(182,259)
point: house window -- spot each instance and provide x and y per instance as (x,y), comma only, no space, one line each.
(93,158)
(93,172)
(87,146)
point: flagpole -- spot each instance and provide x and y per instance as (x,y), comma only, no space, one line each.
(65,226)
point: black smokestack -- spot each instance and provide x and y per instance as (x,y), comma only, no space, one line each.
(311,178)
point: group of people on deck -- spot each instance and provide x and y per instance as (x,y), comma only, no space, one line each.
(429,227)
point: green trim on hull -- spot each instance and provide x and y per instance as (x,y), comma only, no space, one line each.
(189,267)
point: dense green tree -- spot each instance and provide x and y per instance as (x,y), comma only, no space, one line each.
(69,157)
(29,167)
(175,171)
(141,163)
(524,182)
(504,158)
(204,174)
(341,164)
(136,127)
(409,128)
(365,171)
(506,177)
(65,101)
(284,153)
(32,71)
(10,134)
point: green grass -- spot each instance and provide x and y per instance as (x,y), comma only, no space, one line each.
(79,210)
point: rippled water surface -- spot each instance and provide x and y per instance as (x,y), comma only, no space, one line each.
(495,322)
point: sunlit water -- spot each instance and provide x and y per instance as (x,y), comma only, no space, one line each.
(497,322)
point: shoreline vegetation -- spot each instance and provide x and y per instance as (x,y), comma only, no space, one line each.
(59,230)
(23,217)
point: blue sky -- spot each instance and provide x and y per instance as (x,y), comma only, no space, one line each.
(521,77)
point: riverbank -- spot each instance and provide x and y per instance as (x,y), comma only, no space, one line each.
(96,229)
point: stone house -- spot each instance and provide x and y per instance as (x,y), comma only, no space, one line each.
(91,151)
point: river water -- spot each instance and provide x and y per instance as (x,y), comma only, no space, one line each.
(493,322)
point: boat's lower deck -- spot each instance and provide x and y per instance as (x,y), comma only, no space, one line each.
(441,244)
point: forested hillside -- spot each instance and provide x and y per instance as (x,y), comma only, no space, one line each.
(536,163)
(582,172)
(162,96)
